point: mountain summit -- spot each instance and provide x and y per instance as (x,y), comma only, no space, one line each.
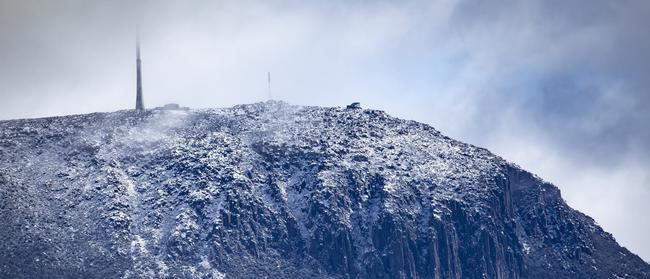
(280,191)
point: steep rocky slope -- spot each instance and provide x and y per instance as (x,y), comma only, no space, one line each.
(279,191)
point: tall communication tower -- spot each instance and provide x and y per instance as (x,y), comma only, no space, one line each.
(139,103)
(269,80)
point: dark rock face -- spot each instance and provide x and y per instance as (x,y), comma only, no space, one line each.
(279,191)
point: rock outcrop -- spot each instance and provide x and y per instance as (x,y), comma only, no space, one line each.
(279,191)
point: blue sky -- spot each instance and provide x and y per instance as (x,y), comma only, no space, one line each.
(560,87)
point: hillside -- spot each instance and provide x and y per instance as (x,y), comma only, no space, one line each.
(280,191)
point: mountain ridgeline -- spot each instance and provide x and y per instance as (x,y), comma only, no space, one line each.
(271,190)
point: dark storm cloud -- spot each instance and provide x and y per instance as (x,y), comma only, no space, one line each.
(560,87)
(578,69)
(565,92)
(595,95)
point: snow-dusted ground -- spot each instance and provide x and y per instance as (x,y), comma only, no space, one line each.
(274,190)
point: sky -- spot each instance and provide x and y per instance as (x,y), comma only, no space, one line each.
(559,87)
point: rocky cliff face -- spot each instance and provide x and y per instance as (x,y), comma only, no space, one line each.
(279,191)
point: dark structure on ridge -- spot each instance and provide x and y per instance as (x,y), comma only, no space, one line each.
(139,103)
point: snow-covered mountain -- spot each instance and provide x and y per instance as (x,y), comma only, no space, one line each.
(280,191)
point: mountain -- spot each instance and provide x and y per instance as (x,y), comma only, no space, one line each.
(271,190)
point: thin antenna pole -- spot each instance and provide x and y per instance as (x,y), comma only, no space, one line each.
(139,102)
(269,79)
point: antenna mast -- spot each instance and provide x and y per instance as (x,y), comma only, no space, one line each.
(269,79)
(139,103)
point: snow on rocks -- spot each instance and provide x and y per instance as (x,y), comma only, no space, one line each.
(275,190)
